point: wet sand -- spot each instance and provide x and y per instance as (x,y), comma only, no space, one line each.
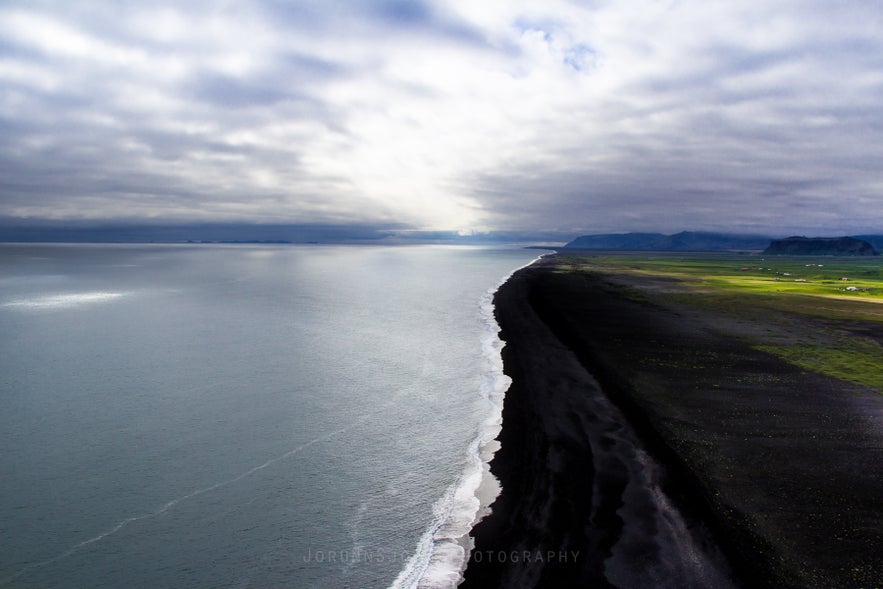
(642,446)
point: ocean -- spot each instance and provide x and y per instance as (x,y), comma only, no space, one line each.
(247,416)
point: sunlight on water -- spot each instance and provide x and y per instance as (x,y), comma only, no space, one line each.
(65,300)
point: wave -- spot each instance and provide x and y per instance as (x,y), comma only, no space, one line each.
(443,549)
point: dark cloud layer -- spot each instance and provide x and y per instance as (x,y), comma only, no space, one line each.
(515,116)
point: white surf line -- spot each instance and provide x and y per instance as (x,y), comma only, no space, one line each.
(167,506)
(414,574)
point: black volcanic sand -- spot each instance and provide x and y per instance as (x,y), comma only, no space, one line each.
(696,462)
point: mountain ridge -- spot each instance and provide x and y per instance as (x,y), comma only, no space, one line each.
(709,241)
(820,246)
(684,241)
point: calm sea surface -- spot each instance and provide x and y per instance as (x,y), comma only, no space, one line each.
(243,416)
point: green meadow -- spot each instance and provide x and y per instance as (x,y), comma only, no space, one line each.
(823,314)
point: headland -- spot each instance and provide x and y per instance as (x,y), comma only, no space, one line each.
(660,423)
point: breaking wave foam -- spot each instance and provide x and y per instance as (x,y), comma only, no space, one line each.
(443,549)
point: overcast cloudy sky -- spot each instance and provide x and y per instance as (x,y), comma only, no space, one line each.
(582,116)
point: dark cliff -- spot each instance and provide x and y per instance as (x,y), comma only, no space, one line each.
(820,246)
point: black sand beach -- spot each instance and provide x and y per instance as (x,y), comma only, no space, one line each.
(644,445)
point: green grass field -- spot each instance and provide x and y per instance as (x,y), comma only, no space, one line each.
(822,314)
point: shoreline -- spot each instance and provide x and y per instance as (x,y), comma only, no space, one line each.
(443,550)
(753,453)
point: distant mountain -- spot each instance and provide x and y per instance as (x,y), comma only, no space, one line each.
(26,231)
(820,246)
(686,241)
(874,240)
(617,241)
(187,232)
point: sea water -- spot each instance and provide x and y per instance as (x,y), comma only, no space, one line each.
(245,416)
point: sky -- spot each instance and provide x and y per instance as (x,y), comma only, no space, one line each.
(459,115)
